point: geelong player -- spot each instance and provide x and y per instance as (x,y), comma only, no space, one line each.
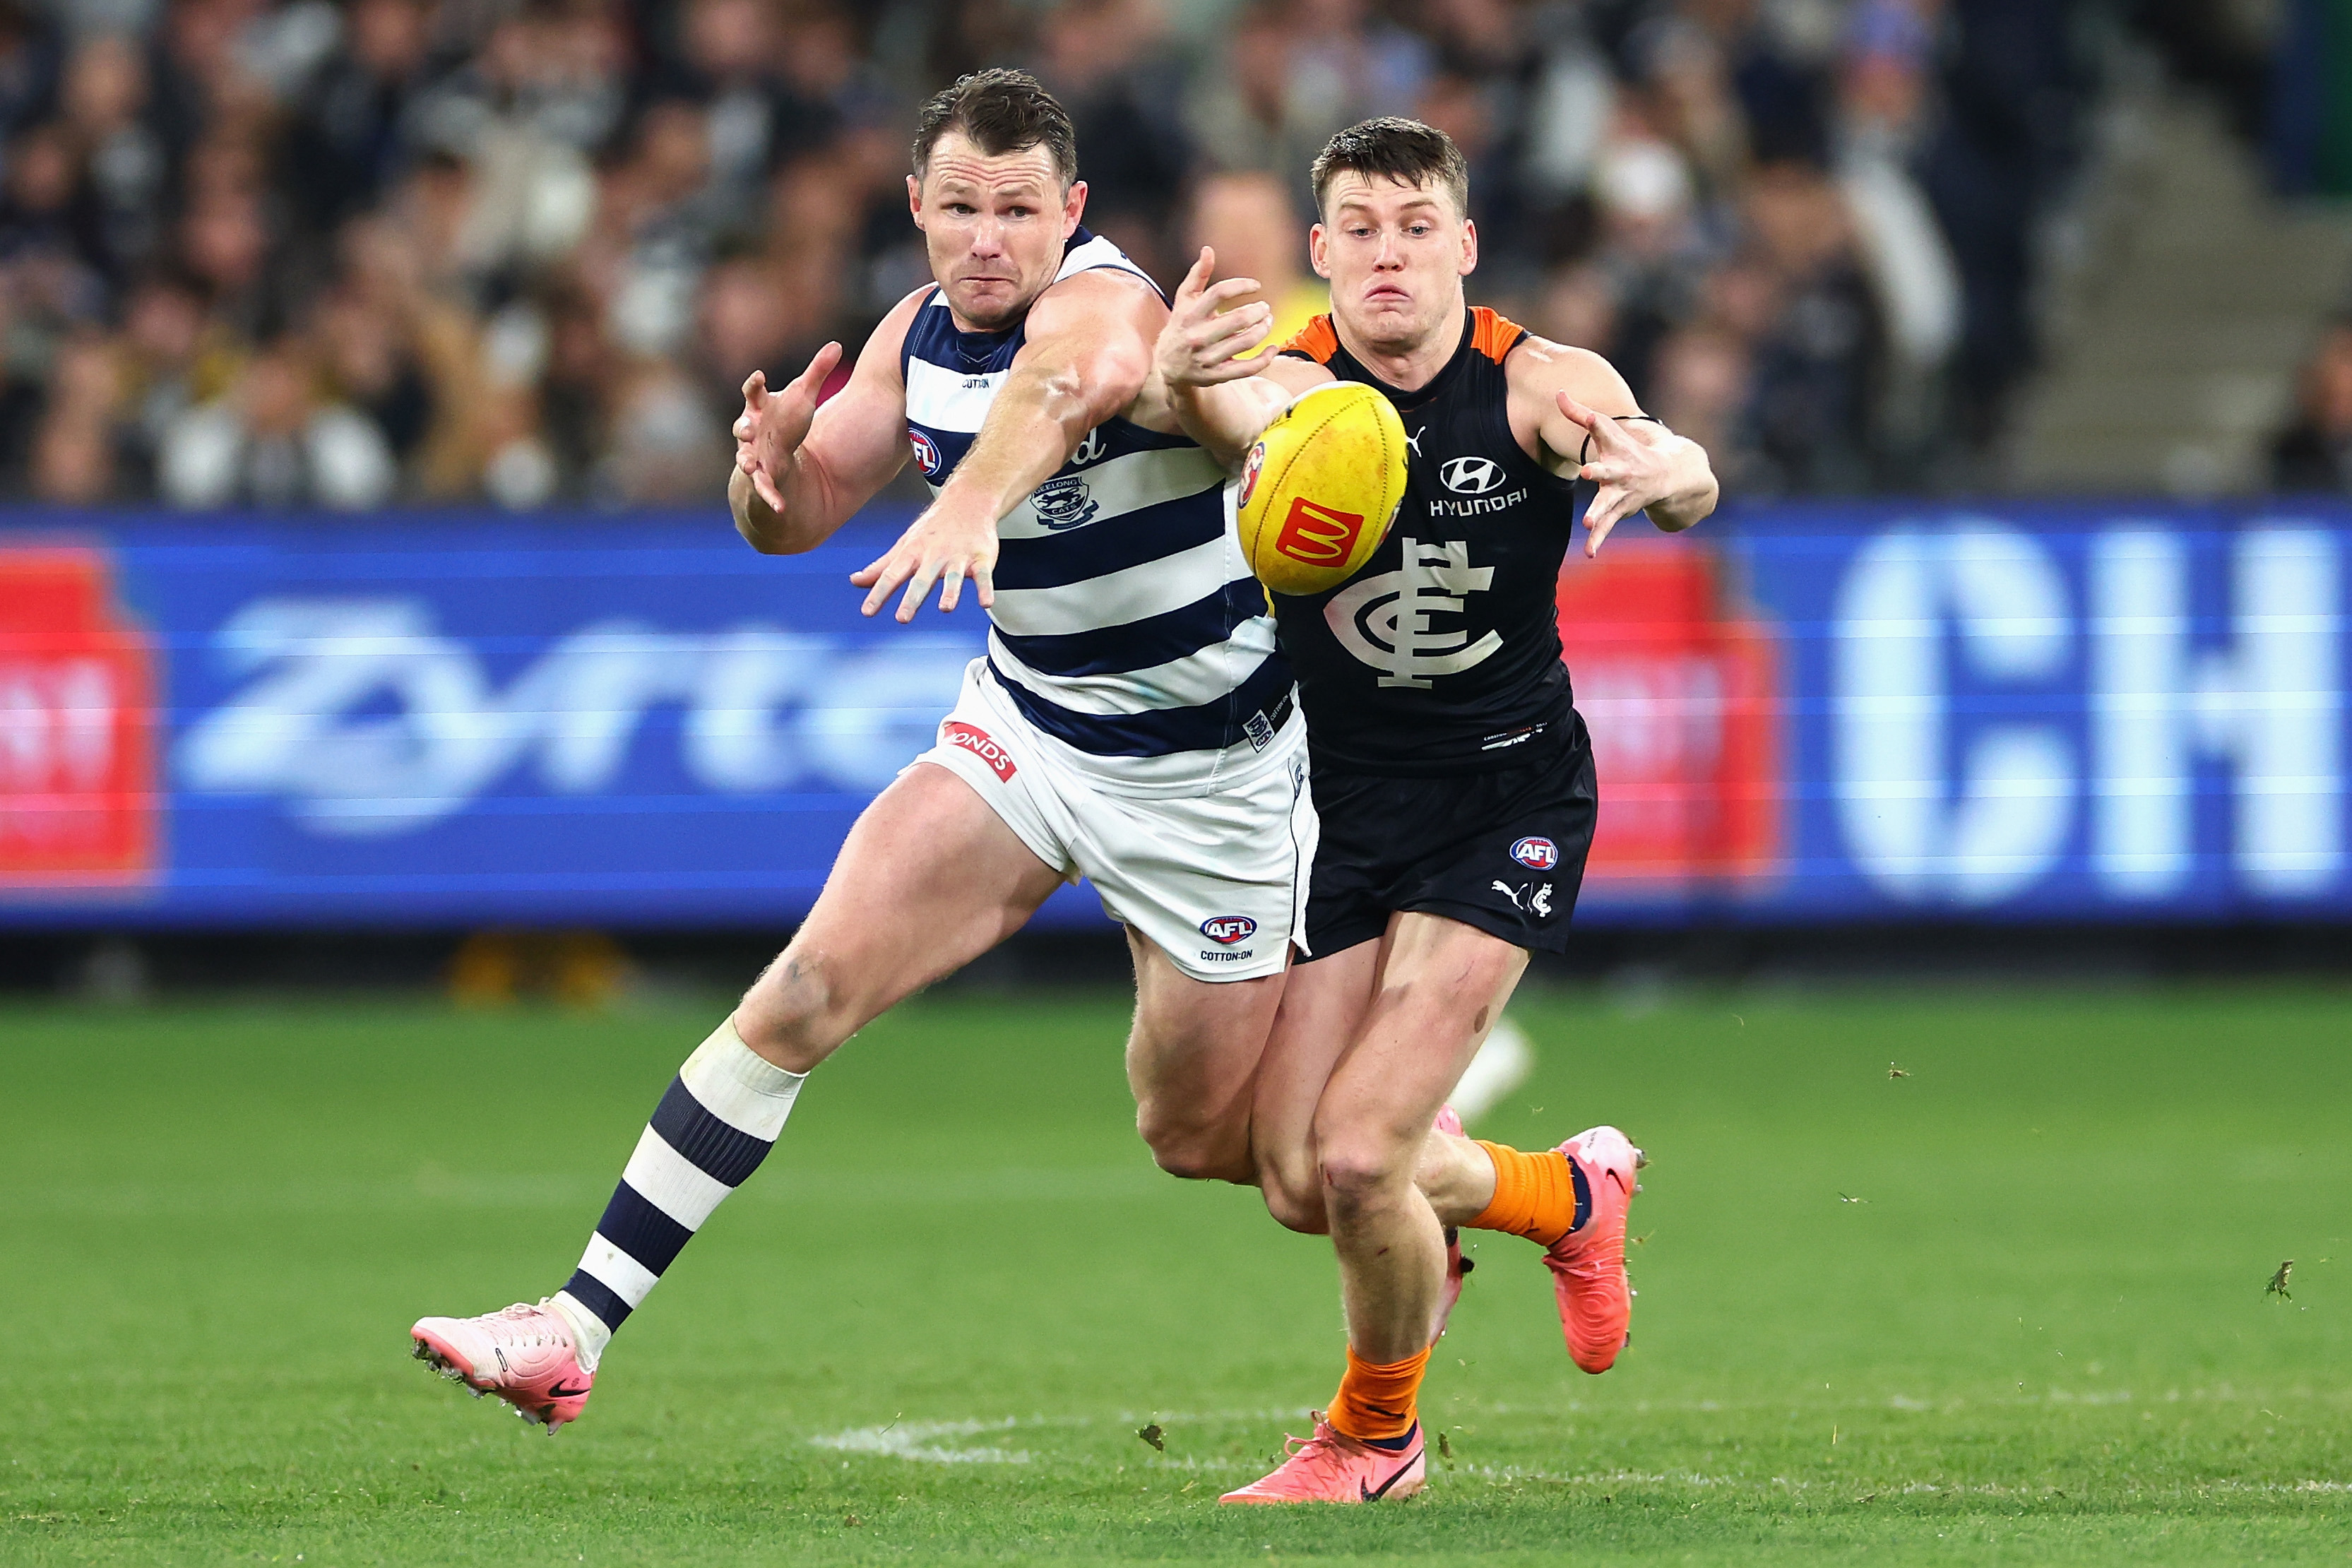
(1132,720)
(1452,777)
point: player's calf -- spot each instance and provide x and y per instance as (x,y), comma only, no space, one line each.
(1445,1130)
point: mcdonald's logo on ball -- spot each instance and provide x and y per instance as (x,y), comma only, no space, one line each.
(1318,535)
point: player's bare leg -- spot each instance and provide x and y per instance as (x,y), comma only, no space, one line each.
(887,923)
(1438,984)
(1323,1006)
(1441,983)
(1193,1061)
(929,880)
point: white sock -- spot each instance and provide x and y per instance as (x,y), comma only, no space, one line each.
(721,1116)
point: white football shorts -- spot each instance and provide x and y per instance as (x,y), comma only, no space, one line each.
(1217,881)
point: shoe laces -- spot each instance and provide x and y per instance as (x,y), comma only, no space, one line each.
(524,1324)
(1320,1452)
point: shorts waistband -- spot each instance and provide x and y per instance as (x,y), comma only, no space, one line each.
(1269,735)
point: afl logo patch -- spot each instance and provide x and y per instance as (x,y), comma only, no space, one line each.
(926,452)
(1251,467)
(1536,854)
(1471,476)
(1228,928)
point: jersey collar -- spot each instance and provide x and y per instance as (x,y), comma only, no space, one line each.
(1438,386)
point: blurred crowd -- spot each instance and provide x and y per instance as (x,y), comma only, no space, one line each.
(428,251)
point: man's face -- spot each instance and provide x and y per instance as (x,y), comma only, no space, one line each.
(993,225)
(1396,256)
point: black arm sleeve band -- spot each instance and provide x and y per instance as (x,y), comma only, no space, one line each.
(1586,450)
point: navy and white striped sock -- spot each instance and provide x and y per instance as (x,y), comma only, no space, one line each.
(717,1121)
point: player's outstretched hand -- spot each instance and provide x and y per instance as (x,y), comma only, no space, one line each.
(773,424)
(1201,347)
(943,545)
(1630,472)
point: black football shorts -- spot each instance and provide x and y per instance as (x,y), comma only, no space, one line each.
(1503,851)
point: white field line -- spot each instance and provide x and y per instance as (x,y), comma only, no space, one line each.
(919,1440)
(910,1440)
(1501,1065)
(915,1441)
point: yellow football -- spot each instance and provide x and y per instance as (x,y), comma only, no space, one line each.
(1319,490)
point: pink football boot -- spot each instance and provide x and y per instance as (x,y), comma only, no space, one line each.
(1329,1467)
(1587,1264)
(524,1355)
(1456,1266)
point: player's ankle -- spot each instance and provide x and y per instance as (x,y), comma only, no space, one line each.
(589,1335)
(1376,1399)
(1541,1195)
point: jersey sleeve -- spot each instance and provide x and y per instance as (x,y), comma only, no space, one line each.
(1493,334)
(1315,341)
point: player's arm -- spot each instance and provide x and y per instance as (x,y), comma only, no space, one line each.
(1085,355)
(1587,425)
(1224,401)
(801,471)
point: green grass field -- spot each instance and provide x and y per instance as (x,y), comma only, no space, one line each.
(927,1331)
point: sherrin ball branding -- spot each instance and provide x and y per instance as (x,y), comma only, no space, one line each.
(1319,490)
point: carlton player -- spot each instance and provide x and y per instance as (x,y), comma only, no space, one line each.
(1452,777)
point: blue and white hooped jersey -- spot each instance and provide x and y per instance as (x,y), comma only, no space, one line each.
(1128,626)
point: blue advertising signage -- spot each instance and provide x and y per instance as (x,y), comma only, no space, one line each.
(1800,712)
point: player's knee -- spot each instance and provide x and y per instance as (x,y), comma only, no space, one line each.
(1193,1151)
(791,1016)
(1295,1199)
(1358,1172)
(1197,1159)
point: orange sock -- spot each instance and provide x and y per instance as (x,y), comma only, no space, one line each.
(1535,1194)
(1376,1403)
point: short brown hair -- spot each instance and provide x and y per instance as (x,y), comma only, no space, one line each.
(1001,111)
(1391,148)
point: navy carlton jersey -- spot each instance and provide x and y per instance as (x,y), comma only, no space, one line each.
(1442,654)
(1127,625)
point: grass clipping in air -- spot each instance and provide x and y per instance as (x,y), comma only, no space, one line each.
(933,1328)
